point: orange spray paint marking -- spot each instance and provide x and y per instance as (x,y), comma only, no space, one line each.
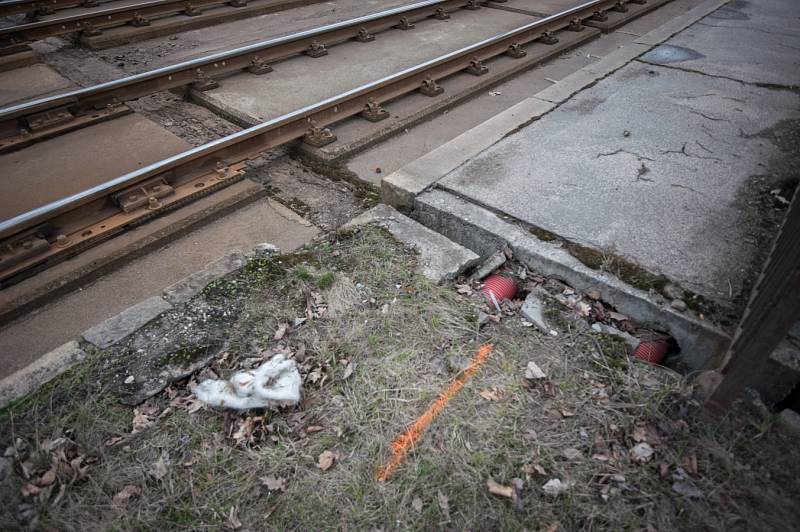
(406,441)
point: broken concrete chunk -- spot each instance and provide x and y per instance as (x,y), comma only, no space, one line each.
(489,265)
(607,329)
(190,286)
(441,258)
(122,325)
(679,305)
(533,311)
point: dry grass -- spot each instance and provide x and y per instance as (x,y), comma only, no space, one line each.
(593,399)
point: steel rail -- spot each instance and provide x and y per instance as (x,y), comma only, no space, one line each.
(18,7)
(89,99)
(93,22)
(234,149)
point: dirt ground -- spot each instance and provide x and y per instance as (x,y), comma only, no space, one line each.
(601,441)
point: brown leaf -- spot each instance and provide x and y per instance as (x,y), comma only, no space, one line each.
(566,413)
(348,370)
(113,441)
(533,469)
(48,478)
(416,504)
(245,430)
(122,498)
(326,460)
(551,528)
(492,394)
(311,429)
(141,420)
(499,489)
(689,463)
(29,489)
(273,483)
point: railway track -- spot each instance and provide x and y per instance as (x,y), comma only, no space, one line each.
(62,228)
(93,18)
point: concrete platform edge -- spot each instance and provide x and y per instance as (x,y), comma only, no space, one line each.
(484,232)
(32,376)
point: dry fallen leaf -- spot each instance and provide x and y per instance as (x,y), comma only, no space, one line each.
(326,460)
(159,468)
(48,478)
(273,483)
(642,453)
(141,420)
(348,370)
(571,453)
(113,441)
(689,463)
(499,489)
(492,394)
(311,429)
(566,413)
(639,434)
(533,469)
(416,504)
(29,489)
(122,498)
(554,487)
(534,372)
(551,528)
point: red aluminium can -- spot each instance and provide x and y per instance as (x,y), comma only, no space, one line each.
(501,286)
(653,351)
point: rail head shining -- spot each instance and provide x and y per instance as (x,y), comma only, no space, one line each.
(38,215)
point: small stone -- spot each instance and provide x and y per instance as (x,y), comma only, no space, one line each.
(594,295)
(378,170)
(626,133)
(129,379)
(673,291)
(679,305)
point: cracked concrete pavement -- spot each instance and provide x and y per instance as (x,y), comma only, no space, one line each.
(663,161)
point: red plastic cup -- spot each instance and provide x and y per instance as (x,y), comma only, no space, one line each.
(652,351)
(501,286)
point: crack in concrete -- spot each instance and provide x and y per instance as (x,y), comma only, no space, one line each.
(708,117)
(771,86)
(683,151)
(678,185)
(623,150)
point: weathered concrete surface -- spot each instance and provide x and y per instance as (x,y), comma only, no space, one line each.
(114,329)
(672,199)
(754,42)
(55,168)
(484,232)
(295,82)
(191,285)
(441,259)
(45,368)
(29,82)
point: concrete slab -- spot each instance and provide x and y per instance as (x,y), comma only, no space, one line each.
(295,82)
(29,82)
(441,259)
(114,329)
(668,198)
(48,170)
(746,41)
(485,106)
(46,368)
(24,340)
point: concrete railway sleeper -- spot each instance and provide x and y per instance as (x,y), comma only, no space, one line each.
(62,228)
(26,123)
(93,22)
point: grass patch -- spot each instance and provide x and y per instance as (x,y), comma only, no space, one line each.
(402,339)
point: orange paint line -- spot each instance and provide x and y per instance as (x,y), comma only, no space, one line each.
(408,439)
